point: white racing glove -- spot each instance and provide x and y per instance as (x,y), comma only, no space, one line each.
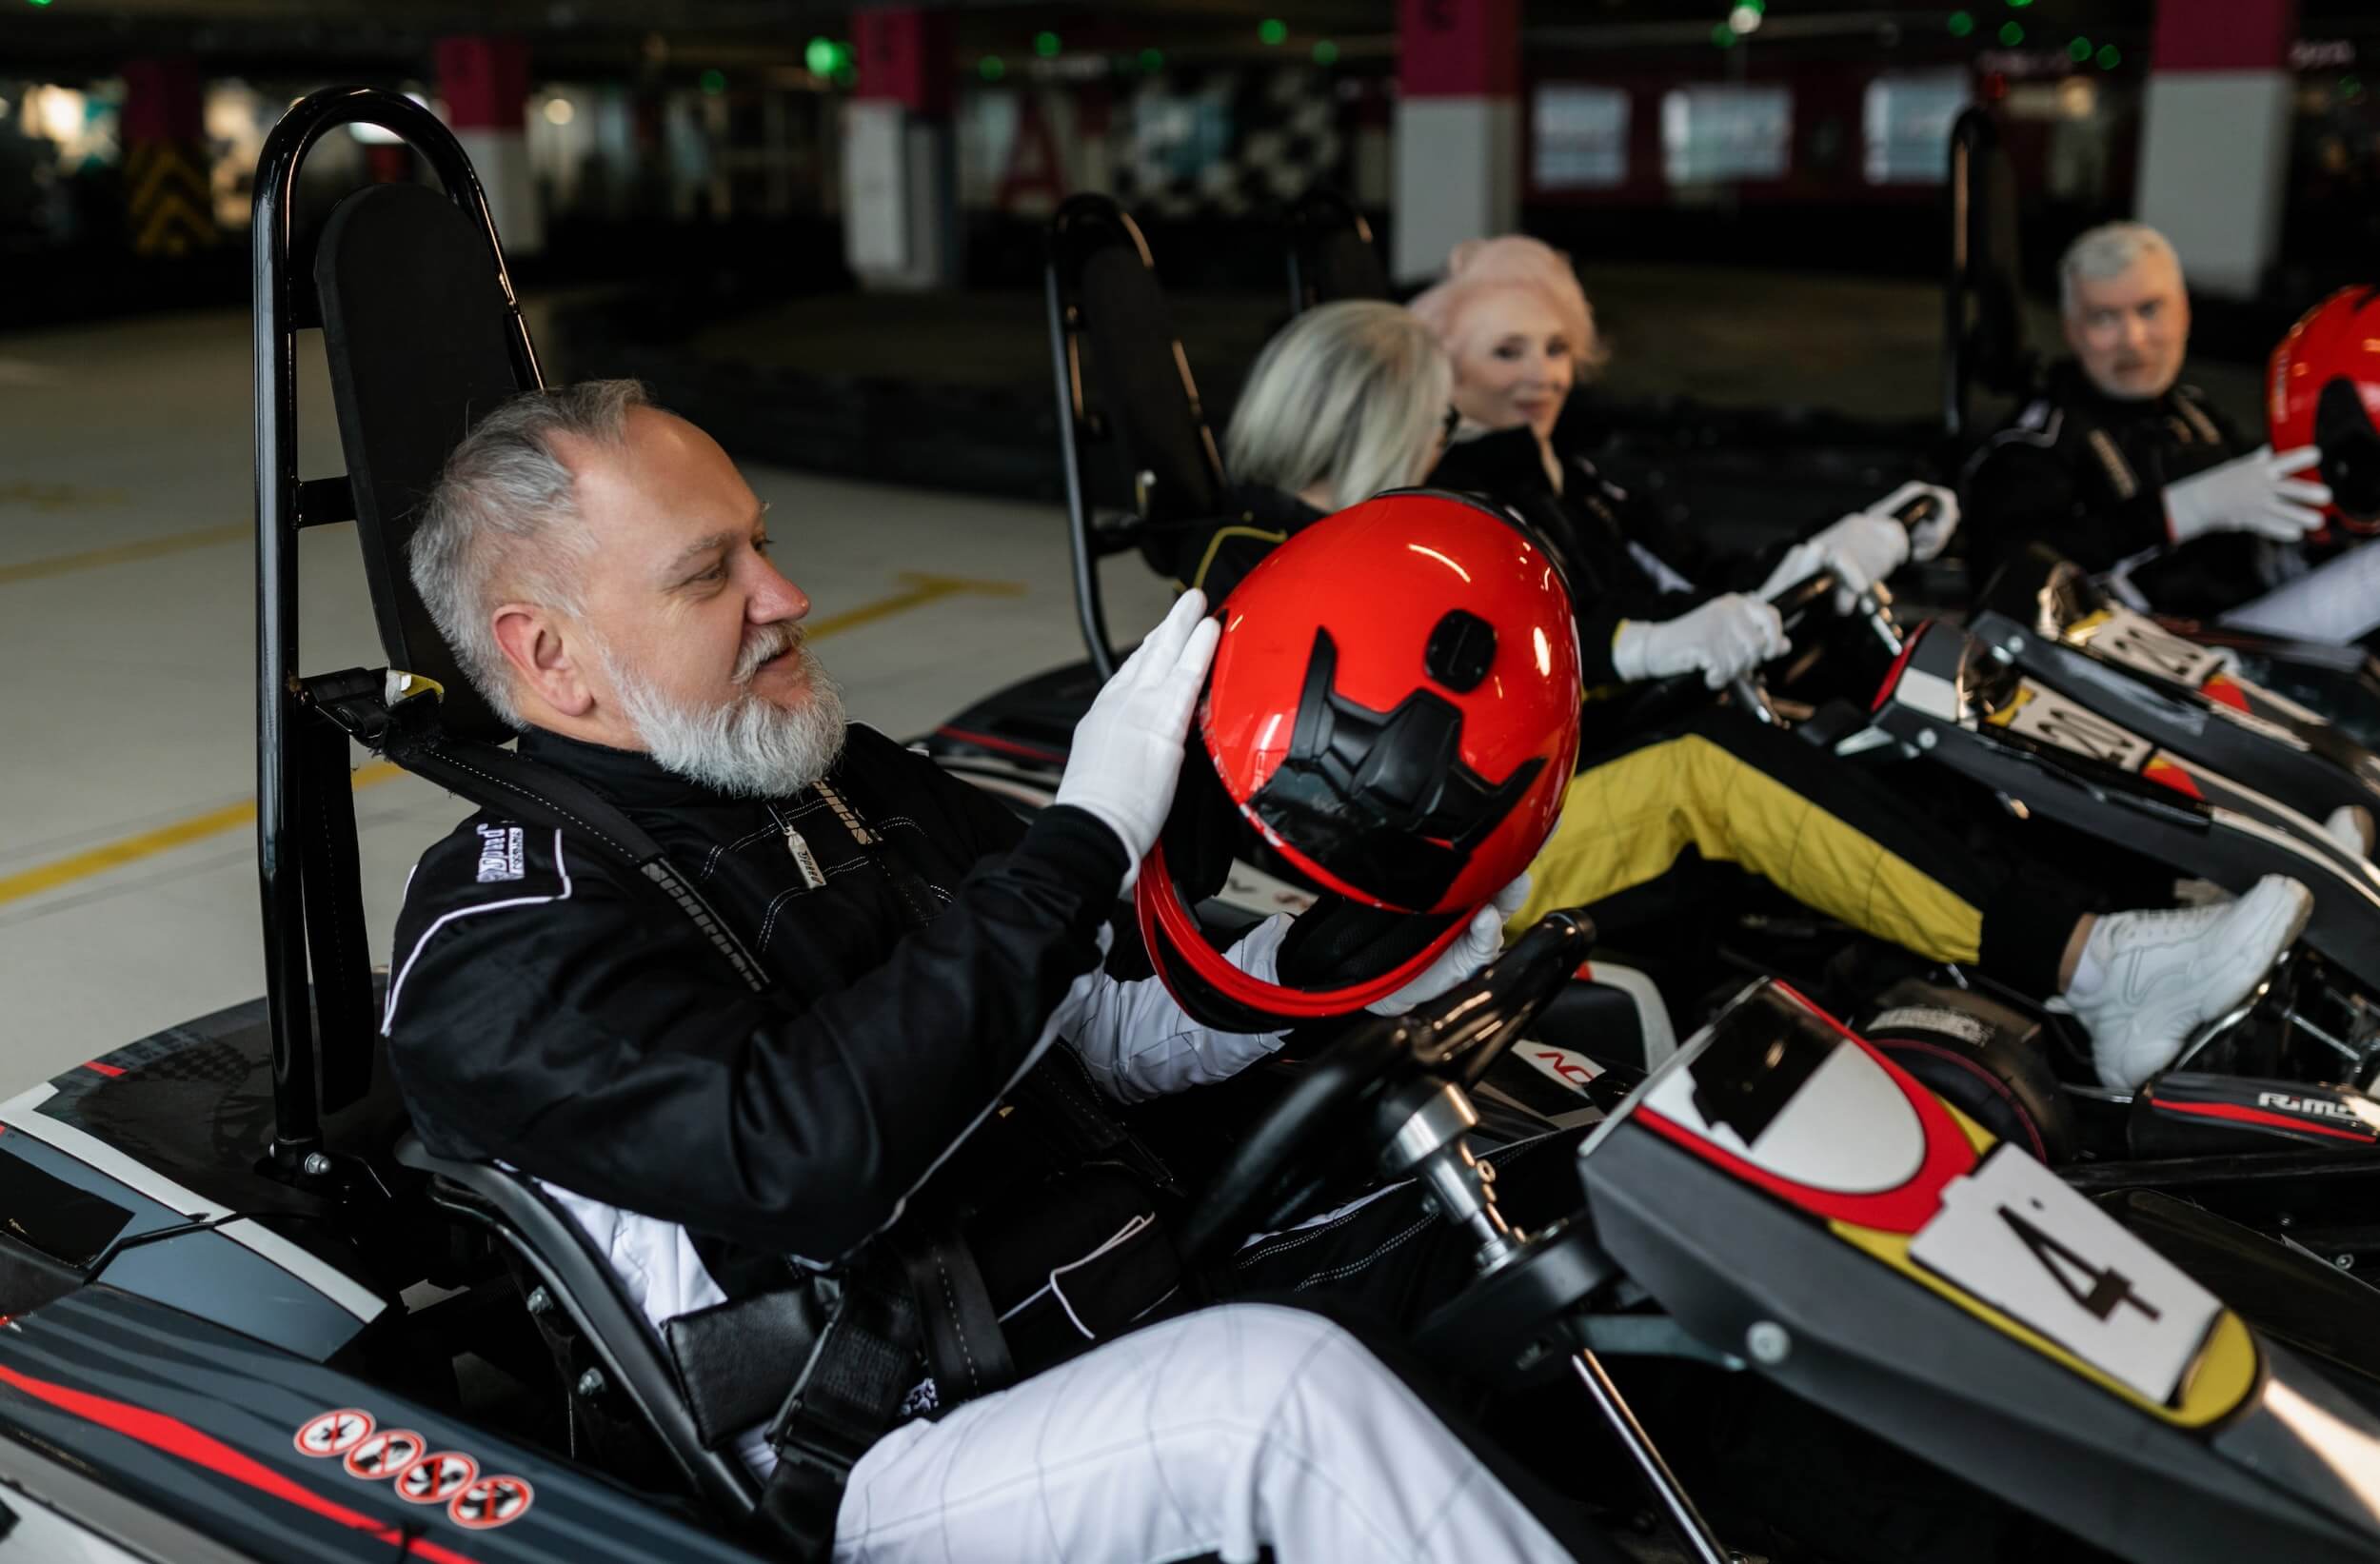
(1474,948)
(1930,537)
(1127,749)
(1863,548)
(1725,639)
(2257,493)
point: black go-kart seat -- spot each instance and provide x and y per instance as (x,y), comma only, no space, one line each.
(629,1354)
(1331,255)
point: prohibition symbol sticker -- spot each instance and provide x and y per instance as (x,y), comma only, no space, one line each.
(489,1502)
(385,1453)
(334,1433)
(434,1479)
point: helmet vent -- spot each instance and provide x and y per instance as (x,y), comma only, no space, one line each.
(1461,649)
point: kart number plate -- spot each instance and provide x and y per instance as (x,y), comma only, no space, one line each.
(2047,716)
(2140,644)
(2014,1235)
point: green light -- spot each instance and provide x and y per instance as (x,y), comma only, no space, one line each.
(991,68)
(1758,8)
(2351,87)
(1152,60)
(713,82)
(37,2)
(2078,50)
(2018,4)
(1045,45)
(1962,23)
(1272,31)
(1723,35)
(846,74)
(2109,57)
(2011,34)
(820,57)
(1326,53)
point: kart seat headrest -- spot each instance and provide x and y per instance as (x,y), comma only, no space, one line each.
(415,327)
(1334,252)
(1140,372)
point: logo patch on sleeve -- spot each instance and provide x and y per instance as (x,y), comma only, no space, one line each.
(499,853)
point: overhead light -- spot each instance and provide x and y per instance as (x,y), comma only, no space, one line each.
(560,111)
(1744,18)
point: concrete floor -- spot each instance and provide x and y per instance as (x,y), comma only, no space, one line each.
(127,889)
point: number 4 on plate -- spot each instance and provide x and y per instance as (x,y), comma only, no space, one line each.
(2014,1235)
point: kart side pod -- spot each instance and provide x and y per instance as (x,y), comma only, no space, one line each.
(1952,699)
(1791,1198)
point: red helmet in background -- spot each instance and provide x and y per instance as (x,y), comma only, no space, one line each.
(1393,711)
(2323,389)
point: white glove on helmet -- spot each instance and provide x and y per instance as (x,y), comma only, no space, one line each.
(1725,639)
(2256,493)
(1474,948)
(1128,747)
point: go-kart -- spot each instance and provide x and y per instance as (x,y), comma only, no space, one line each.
(248,1317)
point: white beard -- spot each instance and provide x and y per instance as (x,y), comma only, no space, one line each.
(745,746)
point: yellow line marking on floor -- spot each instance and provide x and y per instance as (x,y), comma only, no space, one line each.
(124,553)
(920,589)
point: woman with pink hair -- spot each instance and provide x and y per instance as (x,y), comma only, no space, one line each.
(1520,333)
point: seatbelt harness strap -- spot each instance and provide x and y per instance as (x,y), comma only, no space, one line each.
(848,1393)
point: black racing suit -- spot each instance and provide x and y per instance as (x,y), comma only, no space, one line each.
(545,1013)
(2084,474)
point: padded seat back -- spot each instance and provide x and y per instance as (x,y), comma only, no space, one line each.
(416,329)
(1984,318)
(582,1284)
(1140,377)
(1331,255)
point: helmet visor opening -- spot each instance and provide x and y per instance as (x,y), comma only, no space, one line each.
(2351,451)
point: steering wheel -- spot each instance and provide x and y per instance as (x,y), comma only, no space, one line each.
(1667,700)
(1322,1127)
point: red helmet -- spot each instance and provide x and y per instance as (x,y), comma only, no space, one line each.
(2323,389)
(1393,711)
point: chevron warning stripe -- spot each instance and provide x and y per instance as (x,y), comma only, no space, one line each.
(173,210)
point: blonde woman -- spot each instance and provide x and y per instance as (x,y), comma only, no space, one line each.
(1346,401)
(1351,399)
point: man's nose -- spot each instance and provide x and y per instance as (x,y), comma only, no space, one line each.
(776,597)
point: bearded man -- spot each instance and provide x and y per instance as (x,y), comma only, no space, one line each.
(604,576)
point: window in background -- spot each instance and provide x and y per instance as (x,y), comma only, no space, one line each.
(1906,123)
(1714,133)
(1581,138)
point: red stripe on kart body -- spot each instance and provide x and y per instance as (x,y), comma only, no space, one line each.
(2246,1115)
(1031,752)
(2161,769)
(2222,690)
(1893,675)
(180,1440)
(1904,1208)
(109,1070)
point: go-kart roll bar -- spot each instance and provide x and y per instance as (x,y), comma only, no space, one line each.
(284,505)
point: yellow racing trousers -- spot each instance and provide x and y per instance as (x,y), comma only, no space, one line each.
(1826,832)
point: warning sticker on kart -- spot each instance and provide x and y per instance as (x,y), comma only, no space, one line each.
(385,1453)
(2048,717)
(2144,646)
(490,1502)
(2015,1235)
(436,1477)
(334,1433)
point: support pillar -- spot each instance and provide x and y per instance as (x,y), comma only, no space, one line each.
(486,85)
(2214,145)
(171,209)
(901,187)
(1458,128)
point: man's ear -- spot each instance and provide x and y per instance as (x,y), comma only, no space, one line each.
(542,657)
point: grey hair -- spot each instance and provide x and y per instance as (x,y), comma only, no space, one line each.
(502,523)
(2109,250)
(1351,394)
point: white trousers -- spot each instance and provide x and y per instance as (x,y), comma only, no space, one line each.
(1228,1429)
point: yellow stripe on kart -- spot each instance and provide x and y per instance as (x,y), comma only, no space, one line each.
(2216,1384)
